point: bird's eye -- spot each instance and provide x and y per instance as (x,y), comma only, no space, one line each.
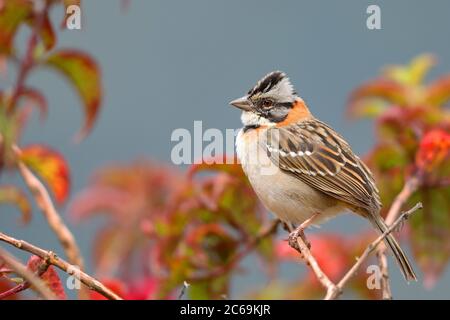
(266,103)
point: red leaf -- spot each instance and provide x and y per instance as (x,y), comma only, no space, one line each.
(433,150)
(84,74)
(50,277)
(145,289)
(6,285)
(50,166)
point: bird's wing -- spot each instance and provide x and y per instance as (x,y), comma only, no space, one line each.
(318,156)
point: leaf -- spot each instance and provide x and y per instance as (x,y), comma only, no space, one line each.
(46,32)
(367,99)
(12,14)
(434,149)
(13,195)
(429,230)
(5,285)
(84,74)
(50,166)
(412,74)
(50,277)
(438,92)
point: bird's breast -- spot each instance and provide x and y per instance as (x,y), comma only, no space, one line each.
(286,196)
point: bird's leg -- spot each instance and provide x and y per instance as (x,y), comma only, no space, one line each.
(287,226)
(299,232)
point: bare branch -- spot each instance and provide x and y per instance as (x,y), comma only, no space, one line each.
(72,270)
(385,285)
(312,262)
(409,188)
(29,276)
(405,215)
(54,220)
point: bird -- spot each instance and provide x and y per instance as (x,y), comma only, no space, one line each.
(302,170)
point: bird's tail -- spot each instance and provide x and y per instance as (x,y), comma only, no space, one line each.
(402,260)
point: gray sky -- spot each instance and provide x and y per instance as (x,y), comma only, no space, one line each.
(167,63)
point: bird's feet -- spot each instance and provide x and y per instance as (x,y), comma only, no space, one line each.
(293,238)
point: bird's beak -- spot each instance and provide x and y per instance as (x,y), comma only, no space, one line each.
(242,103)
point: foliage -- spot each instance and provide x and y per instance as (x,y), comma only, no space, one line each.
(413,139)
(17,103)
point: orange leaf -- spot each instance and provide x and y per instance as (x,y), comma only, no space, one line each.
(438,92)
(84,74)
(50,166)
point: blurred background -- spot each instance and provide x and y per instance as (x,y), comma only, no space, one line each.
(166,64)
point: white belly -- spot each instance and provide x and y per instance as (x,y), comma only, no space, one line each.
(287,197)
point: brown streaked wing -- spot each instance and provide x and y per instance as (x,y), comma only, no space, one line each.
(317,155)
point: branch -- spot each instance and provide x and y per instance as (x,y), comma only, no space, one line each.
(27,62)
(409,188)
(385,284)
(72,270)
(25,273)
(303,249)
(26,284)
(54,220)
(405,215)
(335,290)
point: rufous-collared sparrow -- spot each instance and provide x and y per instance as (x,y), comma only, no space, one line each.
(300,168)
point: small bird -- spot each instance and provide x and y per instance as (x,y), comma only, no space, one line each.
(300,168)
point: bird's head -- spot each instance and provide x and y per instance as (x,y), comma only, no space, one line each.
(268,102)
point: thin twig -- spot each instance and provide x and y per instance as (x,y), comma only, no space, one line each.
(53,218)
(72,270)
(385,284)
(405,215)
(27,63)
(409,188)
(303,249)
(183,290)
(26,274)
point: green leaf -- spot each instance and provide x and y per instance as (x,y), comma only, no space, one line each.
(12,14)
(429,230)
(414,73)
(15,12)
(84,74)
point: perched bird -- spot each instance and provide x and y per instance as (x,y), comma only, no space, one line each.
(301,169)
